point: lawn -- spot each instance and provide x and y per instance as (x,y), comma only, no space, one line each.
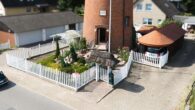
(192,100)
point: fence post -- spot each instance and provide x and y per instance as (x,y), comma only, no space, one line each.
(97,72)
(25,65)
(40,70)
(56,74)
(131,55)
(39,48)
(160,62)
(9,45)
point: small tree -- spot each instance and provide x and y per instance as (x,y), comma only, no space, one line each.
(63,5)
(57,54)
(63,64)
(123,53)
(73,53)
(83,43)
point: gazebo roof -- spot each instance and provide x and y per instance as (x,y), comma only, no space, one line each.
(103,58)
(147,29)
(162,37)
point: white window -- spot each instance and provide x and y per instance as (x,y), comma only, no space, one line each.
(139,7)
(147,21)
(159,21)
(148,7)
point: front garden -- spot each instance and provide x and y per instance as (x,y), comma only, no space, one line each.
(71,60)
(74,59)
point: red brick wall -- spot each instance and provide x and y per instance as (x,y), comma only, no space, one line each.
(4,36)
(120,36)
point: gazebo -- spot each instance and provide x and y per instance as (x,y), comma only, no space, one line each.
(67,36)
(146,29)
(170,37)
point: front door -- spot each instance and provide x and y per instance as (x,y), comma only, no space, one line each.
(101,35)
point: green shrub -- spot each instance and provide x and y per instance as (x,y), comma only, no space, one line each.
(123,53)
(79,67)
(81,60)
(67,69)
(73,53)
(83,44)
(46,61)
(169,21)
(192,100)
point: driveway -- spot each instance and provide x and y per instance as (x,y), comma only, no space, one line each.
(149,88)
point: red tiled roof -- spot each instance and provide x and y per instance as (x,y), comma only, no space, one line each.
(147,29)
(162,37)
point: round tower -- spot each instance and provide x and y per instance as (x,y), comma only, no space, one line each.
(97,18)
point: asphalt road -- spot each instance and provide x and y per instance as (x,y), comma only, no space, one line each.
(14,97)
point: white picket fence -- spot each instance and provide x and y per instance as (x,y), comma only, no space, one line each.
(156,62)
(73,81)
(104,75)
(37,50)
(119,75)
(5,45)
(123,72)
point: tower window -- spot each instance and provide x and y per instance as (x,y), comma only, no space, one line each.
(126,21)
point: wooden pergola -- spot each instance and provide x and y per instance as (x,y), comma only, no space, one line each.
(103,58)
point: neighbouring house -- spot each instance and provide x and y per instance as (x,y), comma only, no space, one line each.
(169,38)
(16,7)
(188,22)
(152,12)
(28,29)
(99,23)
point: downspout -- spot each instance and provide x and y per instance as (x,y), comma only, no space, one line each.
(123,22)
(110,26)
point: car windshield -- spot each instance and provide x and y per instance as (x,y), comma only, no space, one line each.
(1,75)
(153,50)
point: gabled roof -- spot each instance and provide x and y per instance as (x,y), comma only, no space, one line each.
(24,23)
(21,3)
(165,6)
(103,58)
(168,8)
(162,37)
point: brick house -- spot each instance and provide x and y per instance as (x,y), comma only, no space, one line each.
(97,18)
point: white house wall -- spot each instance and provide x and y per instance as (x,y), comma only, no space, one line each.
(29,37)
(26,38)
(2,9)
(54,30)
(155,14)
